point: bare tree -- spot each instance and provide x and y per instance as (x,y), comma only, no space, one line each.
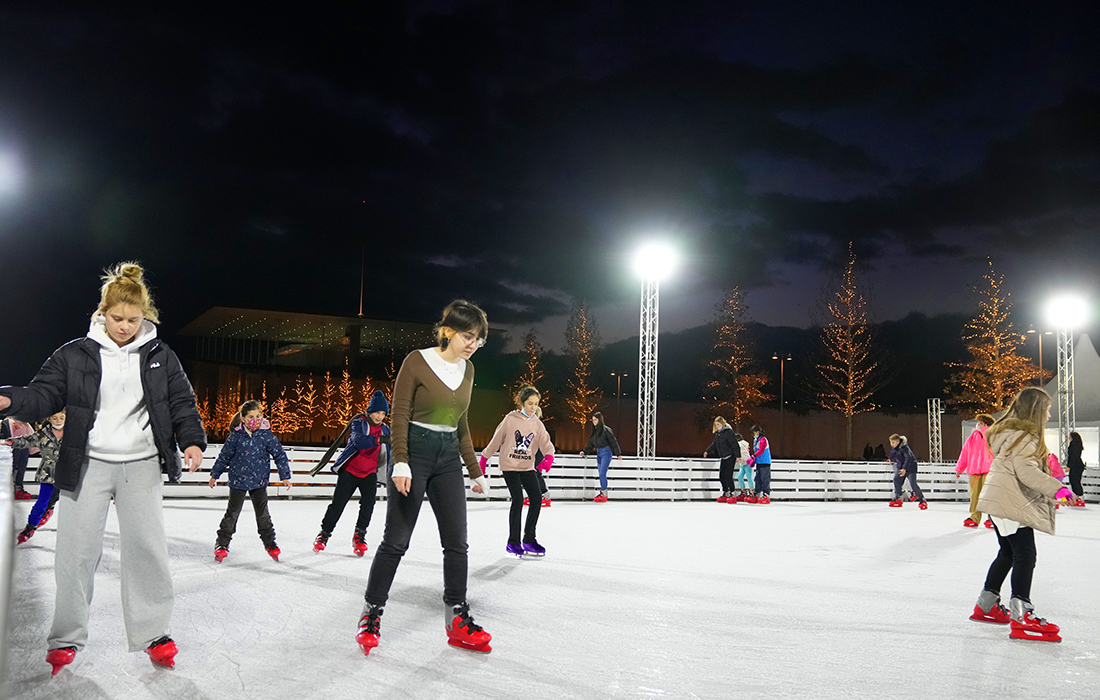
(582,338)
(735,388)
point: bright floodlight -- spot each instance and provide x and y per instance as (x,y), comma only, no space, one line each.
(654,262)
(11,175)
(1067,311)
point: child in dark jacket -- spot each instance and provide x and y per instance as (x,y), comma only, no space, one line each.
(905,467)
(245,455)
(357,469)
(48,441)
(726,448)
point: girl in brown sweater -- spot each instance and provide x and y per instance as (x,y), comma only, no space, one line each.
(519,437)
(431,442)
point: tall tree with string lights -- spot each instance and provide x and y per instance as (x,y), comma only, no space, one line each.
(582,338)
(995,372)
(735,389)
(532,371)
(851,363)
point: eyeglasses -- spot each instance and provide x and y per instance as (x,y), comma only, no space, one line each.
(471,339)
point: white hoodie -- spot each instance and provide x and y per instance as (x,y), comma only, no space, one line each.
(121,431)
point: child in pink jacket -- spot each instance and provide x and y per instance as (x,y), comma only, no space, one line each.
(974,460)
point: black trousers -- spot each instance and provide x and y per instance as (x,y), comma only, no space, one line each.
(1075,474)
(346,485)
(911,477)
(518,482)
(20,457)
(438,474)
(725,474)
(1018,554)
(543,488)
(233,511)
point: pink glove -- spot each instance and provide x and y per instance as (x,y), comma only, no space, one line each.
(750,461)
(483,463)
(545,464)
(1065,494)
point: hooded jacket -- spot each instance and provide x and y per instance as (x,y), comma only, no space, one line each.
(246,457)
(70,379)
(975,456)
(360,440)
(903,457)
(49,445)
(724,446)
(519,437)
(603,436)
(1019,486)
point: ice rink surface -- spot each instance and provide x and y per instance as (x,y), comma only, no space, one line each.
(633,600)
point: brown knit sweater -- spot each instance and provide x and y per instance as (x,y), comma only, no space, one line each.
(419,395)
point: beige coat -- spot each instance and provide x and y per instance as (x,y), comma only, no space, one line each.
(1019,486)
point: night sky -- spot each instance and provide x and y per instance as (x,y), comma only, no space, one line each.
(516,153)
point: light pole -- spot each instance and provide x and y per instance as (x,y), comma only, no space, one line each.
(1065,313)
(782,403)
(1039,335)
(652,263)
(619,398)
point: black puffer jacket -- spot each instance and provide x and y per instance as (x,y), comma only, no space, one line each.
(603,437)
(70,379)
(724,445)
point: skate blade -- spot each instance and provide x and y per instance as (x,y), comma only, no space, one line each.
(482,648)
(988,621)
(1035,636)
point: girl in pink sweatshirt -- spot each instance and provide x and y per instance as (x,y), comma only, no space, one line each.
(518,437)
(974,460)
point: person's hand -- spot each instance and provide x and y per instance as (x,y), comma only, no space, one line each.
(704,455)
(286,483)
(213,481)
(5,403)
(1065,494)
(192,457)
(481,485)
(402,484)
(545,464)
(901,472)
(620,458)
(582,453)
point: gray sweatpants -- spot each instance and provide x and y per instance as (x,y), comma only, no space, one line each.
(147,594)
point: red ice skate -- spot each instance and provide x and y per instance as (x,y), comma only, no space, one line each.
(923,505)
(368,634)
(45,517)
(321,541)
(723,499)
(526,501)
(359,543)
(896,503)
(220,553)
(997,615)
(22,494)
(1034,629)
(59,658)
(764,500)
(545,501)
(601,498)
(273,551)
(736,498)
(969,522)
(988,524)
(464,634)
(163,652)
(26,534)
(1079,503)
(912,497)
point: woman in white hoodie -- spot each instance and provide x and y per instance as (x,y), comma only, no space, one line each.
(129,408)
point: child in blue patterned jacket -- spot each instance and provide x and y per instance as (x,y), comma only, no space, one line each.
(246,455)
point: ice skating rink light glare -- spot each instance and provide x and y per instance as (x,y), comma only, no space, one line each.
(11,175)
(1067,311)
(654,261)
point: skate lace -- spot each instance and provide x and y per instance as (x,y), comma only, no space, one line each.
(160,642)
(467,620)
(369,623)
(359,538)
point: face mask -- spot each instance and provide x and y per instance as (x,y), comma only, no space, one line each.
(57,427)
(253,424)
(524,412)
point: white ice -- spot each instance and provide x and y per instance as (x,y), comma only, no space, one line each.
(677,600)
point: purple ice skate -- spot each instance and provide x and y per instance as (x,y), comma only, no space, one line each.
(534,549)
(514,549)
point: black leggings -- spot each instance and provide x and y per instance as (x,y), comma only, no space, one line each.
(518,482)
(1017,553)
(233,511)
(20,457)
(725,474)
(1075,474)
(346,485)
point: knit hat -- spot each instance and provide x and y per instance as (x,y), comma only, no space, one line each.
(378,403)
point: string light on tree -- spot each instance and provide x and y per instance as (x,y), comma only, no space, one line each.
(582,337)
(735,390)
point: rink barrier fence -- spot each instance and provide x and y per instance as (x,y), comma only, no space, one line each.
(662,479)
(7,554)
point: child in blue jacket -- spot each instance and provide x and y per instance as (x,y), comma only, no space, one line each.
(245,455)
(367,451)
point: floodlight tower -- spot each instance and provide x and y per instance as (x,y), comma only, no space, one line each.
(652,263)
(1066,313)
